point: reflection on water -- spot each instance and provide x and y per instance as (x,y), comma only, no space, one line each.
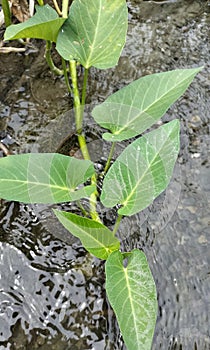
(51,291)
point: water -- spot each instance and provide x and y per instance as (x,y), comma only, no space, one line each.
(52,292)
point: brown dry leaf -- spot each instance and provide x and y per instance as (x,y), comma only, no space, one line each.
(20,10)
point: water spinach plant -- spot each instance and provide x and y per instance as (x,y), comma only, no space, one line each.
(93,33)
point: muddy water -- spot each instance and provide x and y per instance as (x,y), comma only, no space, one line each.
(52,292)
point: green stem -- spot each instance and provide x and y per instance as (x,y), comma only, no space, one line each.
(40,2)
(49,60)
(79,110)
(7,13)
(93,197)
(65,73)
(57,7)
(65,8)
(84,88)
(83,146)
(84,212)
(77,104)
(109,158)
(117,224)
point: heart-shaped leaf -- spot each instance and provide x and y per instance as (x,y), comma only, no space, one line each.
(95,237)
(44,178)
(142,171)
(132,294)
(136,107)
(94,33)
(45,24)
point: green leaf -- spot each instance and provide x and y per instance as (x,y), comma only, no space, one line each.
(142,171)
(94,33)
(95,237)
(44,178)
(132,294)
(45,24)
(136,107)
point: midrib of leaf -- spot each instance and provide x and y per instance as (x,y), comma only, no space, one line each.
(131,303)
(38,184)
(104,40)
(94,39)
(87,234)
(148,107)
(138,182)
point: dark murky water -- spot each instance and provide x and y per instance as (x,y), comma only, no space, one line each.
(51,291)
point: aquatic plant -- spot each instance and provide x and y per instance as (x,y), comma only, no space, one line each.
(93,35)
